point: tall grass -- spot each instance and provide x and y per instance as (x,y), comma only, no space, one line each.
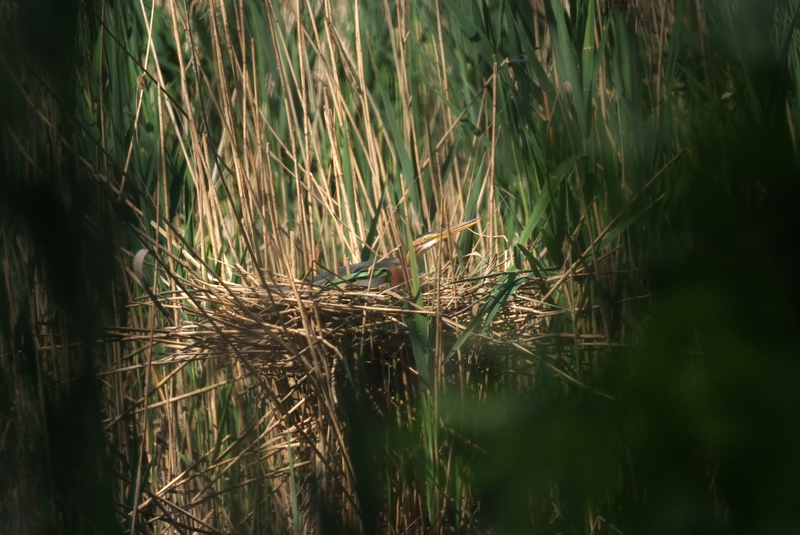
(251,144)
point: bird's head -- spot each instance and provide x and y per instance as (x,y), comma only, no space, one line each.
(423,242)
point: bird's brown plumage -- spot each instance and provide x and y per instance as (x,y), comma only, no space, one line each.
(390,271)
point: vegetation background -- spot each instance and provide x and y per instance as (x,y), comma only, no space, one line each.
(635,167)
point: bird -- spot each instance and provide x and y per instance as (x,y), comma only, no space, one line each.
(388,271)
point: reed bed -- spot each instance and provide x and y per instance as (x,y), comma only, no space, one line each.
(246,146)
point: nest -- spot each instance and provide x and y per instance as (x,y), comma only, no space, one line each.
(291,330)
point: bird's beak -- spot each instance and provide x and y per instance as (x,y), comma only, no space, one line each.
(426,241)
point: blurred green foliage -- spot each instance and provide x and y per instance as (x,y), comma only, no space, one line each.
(57,229)
(703,432)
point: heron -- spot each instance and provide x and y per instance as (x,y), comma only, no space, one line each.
(388,271)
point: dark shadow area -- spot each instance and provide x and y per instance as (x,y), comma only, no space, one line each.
(59,252)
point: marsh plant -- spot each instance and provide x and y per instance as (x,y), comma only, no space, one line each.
(609,350)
